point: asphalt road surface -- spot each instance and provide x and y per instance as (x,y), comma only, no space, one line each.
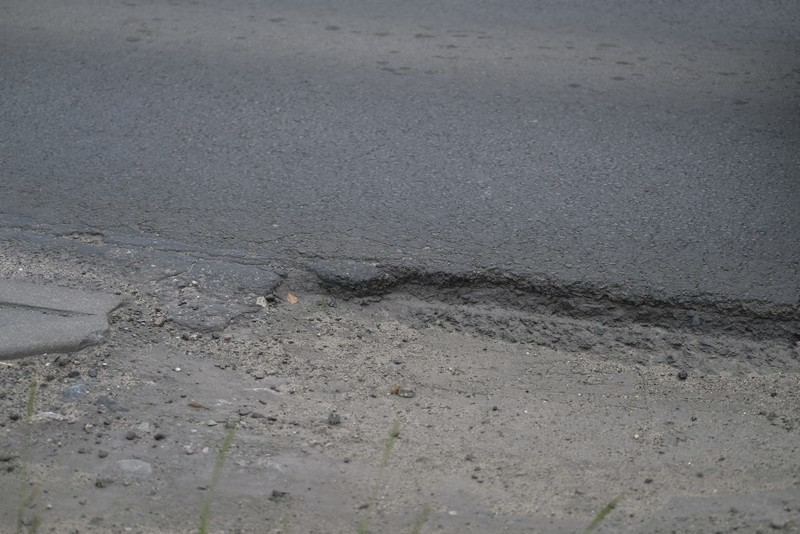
(651,144)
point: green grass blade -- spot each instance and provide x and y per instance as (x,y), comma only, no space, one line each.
(601,515)
(422,518)
(205,513)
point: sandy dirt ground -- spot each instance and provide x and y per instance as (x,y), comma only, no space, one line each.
(297,410)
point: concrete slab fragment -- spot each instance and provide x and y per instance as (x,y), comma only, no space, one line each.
(37,319)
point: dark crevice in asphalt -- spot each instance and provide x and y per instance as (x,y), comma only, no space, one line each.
(575,300)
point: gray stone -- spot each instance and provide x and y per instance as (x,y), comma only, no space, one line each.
(137,468)
(111,404)
(74,391)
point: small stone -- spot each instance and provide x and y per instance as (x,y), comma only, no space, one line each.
(74,392)
(406,393)
(135,467)
(159,436)
(683,375)
(177,369)
(214,336)
(261,301)
(102,454)
(188,449)
(257,415)
(211,422)
(278,495)
(130,435)
(227,337)
(111,404)
(103,482)
(696,320)
(231,423)
(159,320)
(778,524)
(334,419)
(259,375)
(93,373)
(144,427)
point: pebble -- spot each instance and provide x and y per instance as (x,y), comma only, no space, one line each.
(261,301)
(130,435)
(259,375)
(103,482)
(102,454)
(778,524)
(406,393)
(74,392)
(93,373)
(334,418)
(278,495)
(111,404)
(188,449)
(211,422)
(683,375)
(135,467)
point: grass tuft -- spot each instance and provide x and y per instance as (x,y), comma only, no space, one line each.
(387,450)
(205,513)
(422,518)
(27,496)
(387,454)
(601,515)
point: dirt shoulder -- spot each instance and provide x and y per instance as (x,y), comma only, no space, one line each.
(399,413)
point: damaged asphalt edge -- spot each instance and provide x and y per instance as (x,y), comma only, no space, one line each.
(461,285)
(575,300)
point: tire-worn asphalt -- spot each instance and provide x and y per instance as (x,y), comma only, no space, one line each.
(645,143)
